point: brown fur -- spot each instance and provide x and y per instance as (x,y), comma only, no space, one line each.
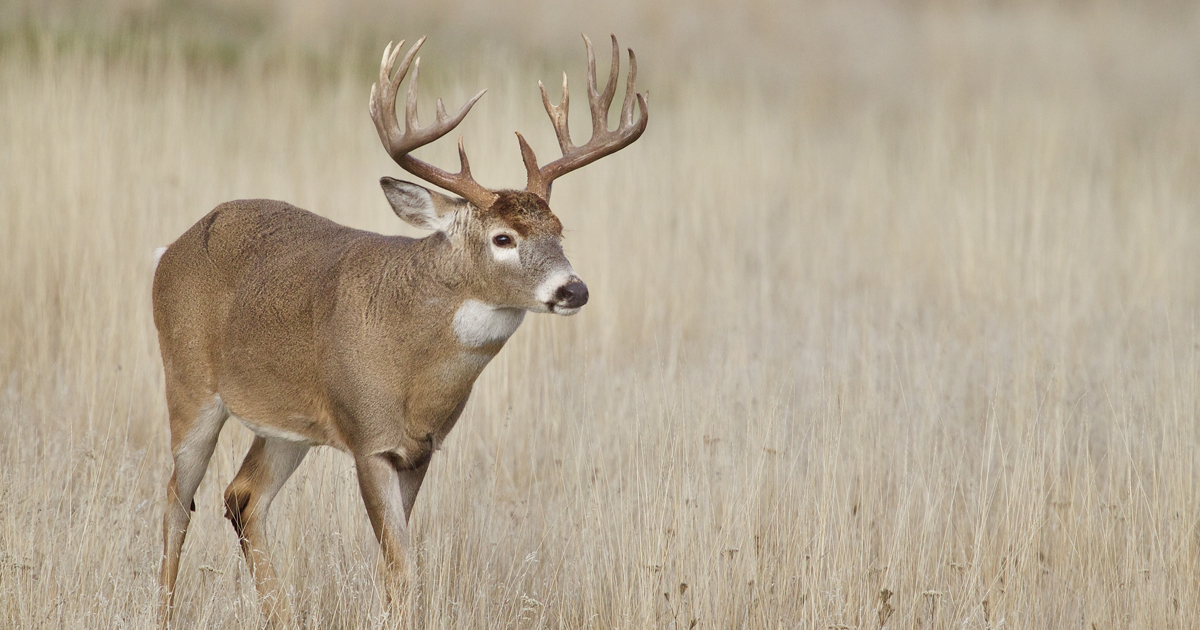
(319,334)
(313,333)
(525,212)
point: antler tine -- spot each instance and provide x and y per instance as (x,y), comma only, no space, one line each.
(603,141)
(535,182)
(558,115)
(410,100)
(385,98)
(400,143)
(464,167)
(627,106)
(599,102)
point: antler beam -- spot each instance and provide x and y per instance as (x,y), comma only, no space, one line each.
(400,143)
(603,142)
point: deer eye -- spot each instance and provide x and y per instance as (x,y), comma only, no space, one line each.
(503,240)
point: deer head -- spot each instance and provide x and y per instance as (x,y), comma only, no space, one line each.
(508,243)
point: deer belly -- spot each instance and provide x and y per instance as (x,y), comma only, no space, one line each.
(277,433)
(295,428)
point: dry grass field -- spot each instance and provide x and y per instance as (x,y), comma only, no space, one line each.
(893,318)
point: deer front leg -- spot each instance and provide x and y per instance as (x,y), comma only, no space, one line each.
(389,487)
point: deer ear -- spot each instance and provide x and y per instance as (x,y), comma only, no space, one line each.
(419,206)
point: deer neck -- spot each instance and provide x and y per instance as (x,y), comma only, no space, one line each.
(477,325)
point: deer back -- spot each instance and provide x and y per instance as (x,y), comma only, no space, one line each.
(310,327)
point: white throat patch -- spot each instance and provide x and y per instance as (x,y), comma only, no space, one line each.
(479,324)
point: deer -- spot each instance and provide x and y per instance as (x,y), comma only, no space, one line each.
(311,333)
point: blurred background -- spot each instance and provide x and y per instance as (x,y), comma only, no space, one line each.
(1137,50)
(893,316)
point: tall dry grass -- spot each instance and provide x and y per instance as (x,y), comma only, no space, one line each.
(905,340)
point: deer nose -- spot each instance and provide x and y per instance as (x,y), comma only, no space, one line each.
(573,294)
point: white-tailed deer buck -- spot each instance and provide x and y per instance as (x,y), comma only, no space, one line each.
(312,333)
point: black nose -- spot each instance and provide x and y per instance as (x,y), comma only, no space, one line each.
(572,294)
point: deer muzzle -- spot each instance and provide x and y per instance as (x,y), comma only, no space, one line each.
(571,295)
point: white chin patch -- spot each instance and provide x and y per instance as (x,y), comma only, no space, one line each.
(562,310)
(479,324)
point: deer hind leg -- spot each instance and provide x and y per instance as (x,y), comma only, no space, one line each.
(267,466)
(194,431)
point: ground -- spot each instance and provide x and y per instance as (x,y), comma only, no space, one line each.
(892,320)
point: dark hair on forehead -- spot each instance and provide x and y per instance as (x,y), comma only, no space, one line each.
(526,212)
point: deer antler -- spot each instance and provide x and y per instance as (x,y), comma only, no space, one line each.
(603,141)
(400,143)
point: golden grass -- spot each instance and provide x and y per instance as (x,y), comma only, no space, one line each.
(906,342)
